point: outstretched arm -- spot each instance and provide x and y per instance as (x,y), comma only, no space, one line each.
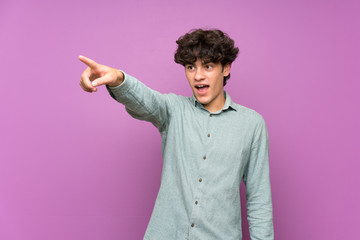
(140,101)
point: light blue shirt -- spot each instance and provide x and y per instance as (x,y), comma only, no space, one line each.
(205,157)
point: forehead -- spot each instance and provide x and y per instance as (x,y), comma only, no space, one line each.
(202,62)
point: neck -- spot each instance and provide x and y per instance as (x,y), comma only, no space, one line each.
(217,104)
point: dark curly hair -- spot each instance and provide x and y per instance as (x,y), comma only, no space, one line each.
(208,45)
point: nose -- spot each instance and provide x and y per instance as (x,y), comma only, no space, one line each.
(199,74)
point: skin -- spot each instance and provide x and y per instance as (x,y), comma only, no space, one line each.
(96,75)
(211,74)
(198,73)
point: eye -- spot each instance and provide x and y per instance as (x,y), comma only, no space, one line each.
(208,67)
(190,67)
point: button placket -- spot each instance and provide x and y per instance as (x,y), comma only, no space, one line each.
(196,202)
(197,197)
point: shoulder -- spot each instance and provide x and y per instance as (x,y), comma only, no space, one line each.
(241,112)
(177,99)
(248,113)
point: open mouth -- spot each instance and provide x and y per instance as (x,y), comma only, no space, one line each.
(202,88)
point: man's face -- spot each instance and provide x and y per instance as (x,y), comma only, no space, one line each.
(206,82)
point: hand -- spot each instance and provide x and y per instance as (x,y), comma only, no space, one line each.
(96,74)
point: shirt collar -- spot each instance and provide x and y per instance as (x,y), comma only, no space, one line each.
(229,104)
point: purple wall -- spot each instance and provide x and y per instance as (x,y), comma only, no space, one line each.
(74,165)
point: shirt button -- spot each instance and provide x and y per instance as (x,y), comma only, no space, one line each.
(209,135)
(196,202)
(192,225)
(200,180)
(204,157)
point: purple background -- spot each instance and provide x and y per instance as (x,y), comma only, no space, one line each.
(75,165)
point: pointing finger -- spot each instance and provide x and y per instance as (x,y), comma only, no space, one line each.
(91,63)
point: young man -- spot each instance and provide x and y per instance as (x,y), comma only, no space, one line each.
(209,144)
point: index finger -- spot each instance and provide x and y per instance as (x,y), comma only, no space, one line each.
(88,61)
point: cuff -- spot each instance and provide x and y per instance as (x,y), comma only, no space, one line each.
(121,89)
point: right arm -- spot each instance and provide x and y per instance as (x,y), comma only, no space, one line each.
(140,101)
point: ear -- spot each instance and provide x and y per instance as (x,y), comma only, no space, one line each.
(226,70)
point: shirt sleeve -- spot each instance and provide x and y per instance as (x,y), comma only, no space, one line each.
(258,190)
(141,102)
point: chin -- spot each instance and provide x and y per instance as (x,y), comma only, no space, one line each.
(203,101)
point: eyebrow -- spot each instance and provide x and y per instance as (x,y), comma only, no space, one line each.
(206,62)
(202,63)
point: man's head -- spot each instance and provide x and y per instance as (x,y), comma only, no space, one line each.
(207,56)
(207,45)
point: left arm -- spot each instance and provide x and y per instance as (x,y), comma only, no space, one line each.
(258,190)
